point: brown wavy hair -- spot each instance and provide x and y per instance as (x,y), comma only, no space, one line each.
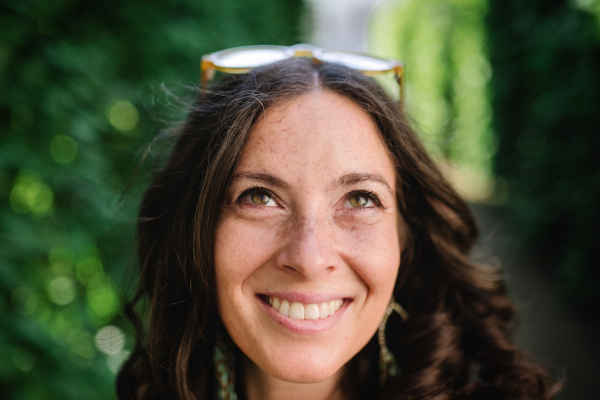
(456,343)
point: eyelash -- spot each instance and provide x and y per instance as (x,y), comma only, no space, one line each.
(259,189)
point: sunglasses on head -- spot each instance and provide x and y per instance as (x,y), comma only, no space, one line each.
(239,60)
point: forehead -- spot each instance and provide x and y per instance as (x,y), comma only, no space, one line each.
(319,133)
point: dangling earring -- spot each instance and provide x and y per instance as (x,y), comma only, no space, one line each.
(387,362)
(223,358)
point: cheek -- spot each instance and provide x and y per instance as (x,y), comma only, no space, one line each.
(232,266)
(377,260)
(239,251)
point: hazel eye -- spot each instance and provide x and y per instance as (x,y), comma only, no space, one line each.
(260,198)
(358,200)
(257,197)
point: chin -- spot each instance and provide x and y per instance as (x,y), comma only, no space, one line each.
(303,371)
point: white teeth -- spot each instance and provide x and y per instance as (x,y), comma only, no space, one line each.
(297,310)
(324,310)
(332,305)
(311,311)
(284,308)
(275,303)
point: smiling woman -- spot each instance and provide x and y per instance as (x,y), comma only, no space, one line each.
(296,212)
(309,222)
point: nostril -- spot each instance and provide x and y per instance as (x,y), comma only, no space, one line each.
(288,268)
(291,270)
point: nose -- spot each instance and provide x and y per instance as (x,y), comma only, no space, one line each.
(309,250)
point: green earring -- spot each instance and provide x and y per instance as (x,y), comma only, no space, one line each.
(223,358)
(387,362)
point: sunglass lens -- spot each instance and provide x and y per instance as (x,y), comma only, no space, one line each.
(250,58)
(356,61)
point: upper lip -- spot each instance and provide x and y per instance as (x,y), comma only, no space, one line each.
(306,298)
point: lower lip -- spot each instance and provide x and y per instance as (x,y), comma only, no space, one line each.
(305,326)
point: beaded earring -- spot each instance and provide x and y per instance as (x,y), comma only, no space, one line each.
(387,362)
(223,358)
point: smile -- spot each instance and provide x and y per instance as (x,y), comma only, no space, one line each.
(296,310)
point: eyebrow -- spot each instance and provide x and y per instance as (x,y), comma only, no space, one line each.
(345,180)
(266,178)
(354,178)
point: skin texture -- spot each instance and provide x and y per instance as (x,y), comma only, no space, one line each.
(313,229)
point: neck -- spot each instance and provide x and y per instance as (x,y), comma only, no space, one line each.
(263,386)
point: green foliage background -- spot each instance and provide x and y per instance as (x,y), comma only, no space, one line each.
(546,111)
(443,45)
(77,105)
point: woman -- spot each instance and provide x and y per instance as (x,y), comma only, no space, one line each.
(296,212)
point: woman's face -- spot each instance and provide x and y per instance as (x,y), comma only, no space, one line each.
(307,246)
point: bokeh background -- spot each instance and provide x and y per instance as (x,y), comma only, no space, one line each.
(505,94)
